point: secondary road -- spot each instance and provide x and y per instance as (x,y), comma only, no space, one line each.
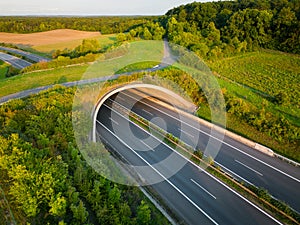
(28,55)
(193,194)
(14,61)
(281,179)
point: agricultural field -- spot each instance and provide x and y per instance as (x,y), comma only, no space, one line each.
(54,40)
(257,77)
(253,80)
(266,72)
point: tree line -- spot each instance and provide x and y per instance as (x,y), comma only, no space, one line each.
(103,24)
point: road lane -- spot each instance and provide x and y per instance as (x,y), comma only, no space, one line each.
(14,61)
(279,178)
(28,55)
(228,207)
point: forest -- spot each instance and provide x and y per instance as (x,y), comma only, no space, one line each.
(46,180)
(223,28)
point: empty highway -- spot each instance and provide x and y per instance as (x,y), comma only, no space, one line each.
(28,55)
(193,194)
(14,61)
(281,179)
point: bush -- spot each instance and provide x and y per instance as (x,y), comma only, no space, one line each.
(12,71)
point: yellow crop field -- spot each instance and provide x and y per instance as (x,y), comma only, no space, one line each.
(54,40)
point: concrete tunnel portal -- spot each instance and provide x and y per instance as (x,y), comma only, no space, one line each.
(161,94)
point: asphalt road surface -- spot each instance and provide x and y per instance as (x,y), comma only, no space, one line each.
(281,179)
(28,55)
(193,194)
(14,61)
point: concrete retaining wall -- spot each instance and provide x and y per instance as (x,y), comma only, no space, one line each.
(230,134)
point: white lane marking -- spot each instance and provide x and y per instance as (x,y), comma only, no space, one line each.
(207,192)
(185,132)
(149,113)
(229,145)
(147,146)
(159,173)
(248,167)
(234,174)
(113,121)
(198,167)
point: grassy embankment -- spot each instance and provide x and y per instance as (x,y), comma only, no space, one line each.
(101,68)
(3,69)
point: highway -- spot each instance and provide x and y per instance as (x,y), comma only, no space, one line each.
(193,194)
(281,179)
(28,55)
(14,61)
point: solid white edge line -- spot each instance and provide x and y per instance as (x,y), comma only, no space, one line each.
(222,141)
(206,191)
(229,188)
(234,174)
(248,167)
(176,188)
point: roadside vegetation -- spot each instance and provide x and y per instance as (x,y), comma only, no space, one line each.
(3,69)
(237,40)
(47,181)
(64,69)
